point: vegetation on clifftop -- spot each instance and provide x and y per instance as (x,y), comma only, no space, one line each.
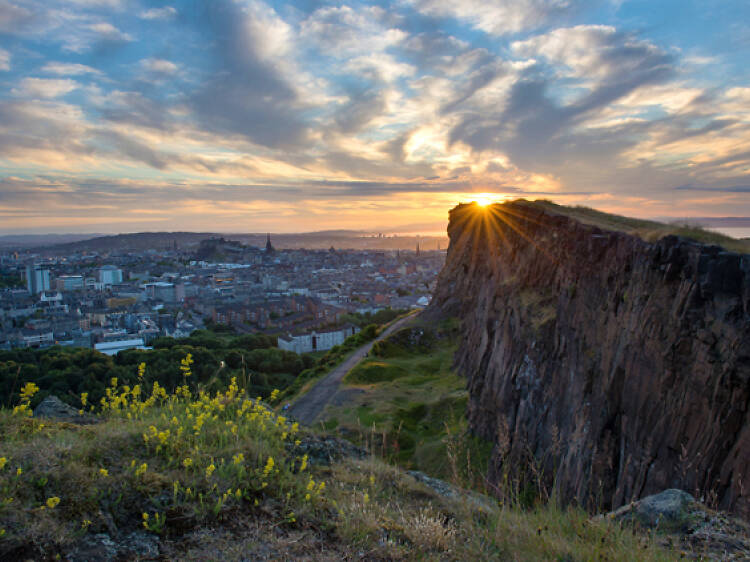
(648,230)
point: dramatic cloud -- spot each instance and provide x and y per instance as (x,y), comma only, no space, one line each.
(198,114)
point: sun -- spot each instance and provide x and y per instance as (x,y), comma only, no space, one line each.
(484,199)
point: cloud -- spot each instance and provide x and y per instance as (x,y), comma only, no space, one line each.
(108,32)
(595,52)
(729,189)
(499,17)
(539,128)
(159,66)
(165,13)
(247,95)
(45,88)
(4,60)
(13,17)
(68,69)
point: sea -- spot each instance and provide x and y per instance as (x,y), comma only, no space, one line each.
(733,231)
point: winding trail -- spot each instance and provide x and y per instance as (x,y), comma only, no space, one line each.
(309,406)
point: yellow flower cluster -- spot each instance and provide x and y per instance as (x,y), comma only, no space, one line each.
(185,365)
(27,393)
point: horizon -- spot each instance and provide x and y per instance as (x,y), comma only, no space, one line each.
(294,117)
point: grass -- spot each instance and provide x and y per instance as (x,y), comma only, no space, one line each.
(650,231)
(223,474)
(412,406)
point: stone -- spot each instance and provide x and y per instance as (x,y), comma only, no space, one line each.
(54,408)
(446,490)
(668,509)
(141,544)
(323,450)
(101,547)
(94,548)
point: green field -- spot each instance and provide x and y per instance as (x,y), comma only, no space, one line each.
(408,406)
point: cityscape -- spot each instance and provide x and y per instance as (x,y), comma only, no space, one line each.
(124,299)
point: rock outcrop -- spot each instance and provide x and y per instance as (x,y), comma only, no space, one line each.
(623,366)
(54,408)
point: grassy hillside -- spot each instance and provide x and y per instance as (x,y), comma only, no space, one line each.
(645,229)
(406,404)
(200,474)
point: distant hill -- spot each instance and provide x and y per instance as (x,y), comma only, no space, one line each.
(18,241)
(339,239)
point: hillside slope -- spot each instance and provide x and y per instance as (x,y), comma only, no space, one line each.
(621,365)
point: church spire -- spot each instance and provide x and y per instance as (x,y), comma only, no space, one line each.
(269,248)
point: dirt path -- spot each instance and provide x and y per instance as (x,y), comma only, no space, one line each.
(310,405)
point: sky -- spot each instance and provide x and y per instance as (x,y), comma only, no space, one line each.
(248,116)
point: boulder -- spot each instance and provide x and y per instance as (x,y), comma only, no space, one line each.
(54,408)
(670,508)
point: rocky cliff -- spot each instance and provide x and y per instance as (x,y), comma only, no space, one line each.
(623,366)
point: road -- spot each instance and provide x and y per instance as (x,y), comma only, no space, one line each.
(309,406)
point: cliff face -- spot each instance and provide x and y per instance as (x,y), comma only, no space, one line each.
(624,365)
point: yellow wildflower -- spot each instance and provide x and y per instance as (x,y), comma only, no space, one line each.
(269,467)
(28,391)
(52,502)
(210,470)
(187,463)
(3,460)
(19,471)
(103,472)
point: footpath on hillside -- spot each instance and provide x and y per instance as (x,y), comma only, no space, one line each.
(309,406)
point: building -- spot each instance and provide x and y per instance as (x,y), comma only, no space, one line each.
(114,347)
(37,279)
(163,291)
(69,283)
(110,275)
(316,341)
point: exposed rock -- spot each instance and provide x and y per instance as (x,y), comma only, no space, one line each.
(54,408)
(141,544)
(623,366)
(669,508)
(94,548)
(138,545)
(325,450)
(446,490)
(684,524)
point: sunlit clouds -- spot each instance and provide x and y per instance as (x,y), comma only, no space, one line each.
(243,115)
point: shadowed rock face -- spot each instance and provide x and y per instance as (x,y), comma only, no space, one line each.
(633,356)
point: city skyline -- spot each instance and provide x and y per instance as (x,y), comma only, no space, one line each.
(250,116)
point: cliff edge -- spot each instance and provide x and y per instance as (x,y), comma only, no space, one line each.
(621,365)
